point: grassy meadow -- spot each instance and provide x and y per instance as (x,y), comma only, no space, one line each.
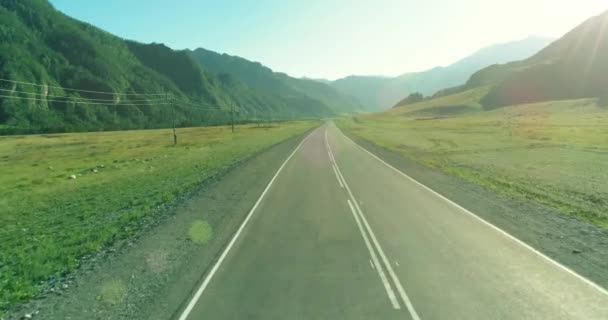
(48,221)
(555,153)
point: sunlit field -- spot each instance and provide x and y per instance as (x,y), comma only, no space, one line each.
(555,153)
(65,196)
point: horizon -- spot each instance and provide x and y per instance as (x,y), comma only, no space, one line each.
(351,48)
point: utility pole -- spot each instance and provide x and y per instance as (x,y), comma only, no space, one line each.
(172,104)
(232,115)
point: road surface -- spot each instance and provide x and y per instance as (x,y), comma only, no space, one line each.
(338,234)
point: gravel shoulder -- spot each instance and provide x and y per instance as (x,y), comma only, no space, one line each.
(153,275)
(577,244)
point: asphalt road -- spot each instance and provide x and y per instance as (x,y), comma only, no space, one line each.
(338,234)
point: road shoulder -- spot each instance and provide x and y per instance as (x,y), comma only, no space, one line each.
(150,277)
(577,244)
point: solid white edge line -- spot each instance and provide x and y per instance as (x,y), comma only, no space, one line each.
(211,273)
(338,177)
(387,264)
(383,278)
(499,230)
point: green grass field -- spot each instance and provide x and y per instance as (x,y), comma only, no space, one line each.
(555,153)
(459,103)
(49,221)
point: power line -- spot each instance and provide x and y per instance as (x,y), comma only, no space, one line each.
(79,90)
(160,98)
(84,102)
(198,103)
(194,106)
(183,99)
(66,99)
(77,98)
(207,109)
(180,99)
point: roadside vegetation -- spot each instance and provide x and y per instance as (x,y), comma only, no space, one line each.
(66,197)
(555,153)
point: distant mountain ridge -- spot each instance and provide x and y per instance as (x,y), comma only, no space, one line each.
(381,93)
(260,77)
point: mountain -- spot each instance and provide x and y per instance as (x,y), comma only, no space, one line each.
(383,92)
(372,91)
(263,78)
(325,81)
(574,66)
(114,83)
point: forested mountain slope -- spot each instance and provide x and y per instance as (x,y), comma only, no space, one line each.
(256,75)
(113,83)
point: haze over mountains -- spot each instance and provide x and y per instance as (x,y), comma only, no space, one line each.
(575,66)
(379,93)
(572,67)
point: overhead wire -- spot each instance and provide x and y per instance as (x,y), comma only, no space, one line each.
(67,99)
(166,99)
(157,98)
(86,102)
(197,103)
(74,97)
(80,90)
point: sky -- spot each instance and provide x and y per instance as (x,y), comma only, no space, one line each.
(334,38)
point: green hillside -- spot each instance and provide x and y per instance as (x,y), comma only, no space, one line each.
(131,81)
(573,67)
(444,106)
(306,92)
